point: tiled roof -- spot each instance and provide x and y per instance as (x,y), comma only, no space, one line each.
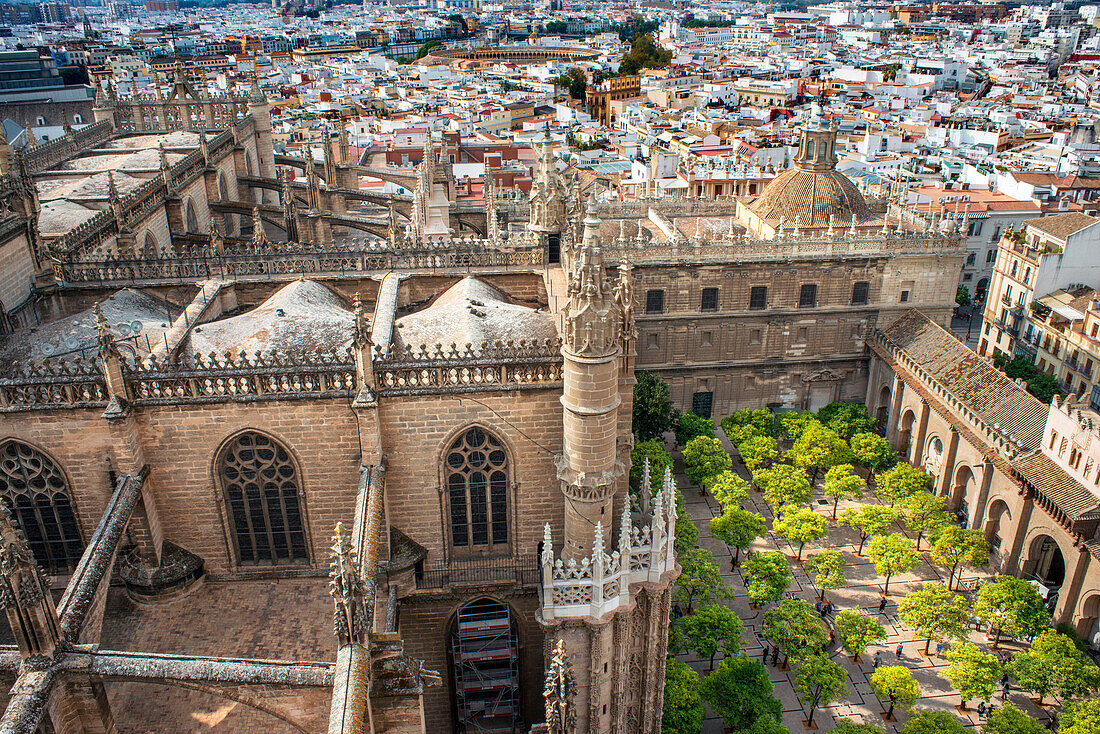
(985,390)
(1057,485)
(1061,225)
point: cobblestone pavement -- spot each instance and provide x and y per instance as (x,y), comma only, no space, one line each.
(286,619)
(864,590)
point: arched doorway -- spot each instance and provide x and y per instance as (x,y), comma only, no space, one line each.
(1045,562)
(980,289)
(1088,622)
(960,490)
(996,524)
(905,432)
(484,655)
(882,413)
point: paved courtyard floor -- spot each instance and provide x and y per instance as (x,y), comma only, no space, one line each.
(864,591)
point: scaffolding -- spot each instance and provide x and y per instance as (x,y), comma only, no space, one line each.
(486,665)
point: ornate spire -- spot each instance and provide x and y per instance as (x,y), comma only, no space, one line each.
(217,242)
(560,692)
(114,200)
(256,95)
(25,594)
(204,147)
(348,591)
(259,242)
(345,150)
(104,340)
(362,323)
(590,317)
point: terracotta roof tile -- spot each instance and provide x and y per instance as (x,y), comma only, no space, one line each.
(987,391)
(1061,225)
(1057,485)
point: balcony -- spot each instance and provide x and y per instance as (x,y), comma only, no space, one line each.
(478,571)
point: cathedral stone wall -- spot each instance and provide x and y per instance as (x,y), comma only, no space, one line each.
(320,434)
(416,432)
(17,264)
(427,624)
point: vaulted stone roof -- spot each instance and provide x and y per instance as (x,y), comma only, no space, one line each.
(985,390)
(471,312)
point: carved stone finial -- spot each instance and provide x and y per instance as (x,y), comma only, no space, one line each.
(259,242)
(560,692)
(105,341)
(348,591)
(204,146)
(362,325)
(25,593)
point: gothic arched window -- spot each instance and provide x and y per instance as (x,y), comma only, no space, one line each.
(476,477)
(34,490)
(261,491)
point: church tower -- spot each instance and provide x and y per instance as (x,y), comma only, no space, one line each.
(606,595)
(548,218)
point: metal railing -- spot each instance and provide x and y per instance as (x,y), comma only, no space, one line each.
(478,571)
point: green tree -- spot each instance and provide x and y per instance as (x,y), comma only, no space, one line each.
(1011,605)
(924,512)
(704,458)
(857,631)
(868,521)
(659,460)
(1054,666)
(574,80)
(900,482)
(847,419)
(683,712)
(924,721)
(894,683)
(1010,720)
(801,526)
(687,534)
(892,554)
(842,484)
(848,726)
(828,569)
(740,693)
(819,447)
(692,426)
(711,629)
(700,580)
(953,546)
(784,486)
(795,627)
(973,673)
(873,452)
(1080,717)
(819,681)
(738,528)
(769,575)
(792,424)
(728,489)
(758,451)
(934,613)
(653,412)
(748,422)
(962,296)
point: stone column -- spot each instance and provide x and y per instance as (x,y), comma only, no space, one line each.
(947,481)
(977,512)
(1071,591)
(895,409)
(589,467)
(917,449)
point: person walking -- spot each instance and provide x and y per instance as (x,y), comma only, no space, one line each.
(765,657)
(882,606)
(775,655)
(877,661)
(898,651)
(981,709)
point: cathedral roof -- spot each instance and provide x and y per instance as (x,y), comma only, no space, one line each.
(813,192)
(303,316)
(471,312)
(813,197)
(74,333)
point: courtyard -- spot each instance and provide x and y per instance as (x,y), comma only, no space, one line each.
(862,590)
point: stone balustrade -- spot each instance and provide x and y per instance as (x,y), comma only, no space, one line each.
(600,584)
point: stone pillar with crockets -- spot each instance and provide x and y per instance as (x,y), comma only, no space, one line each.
(590,467)
(25,594)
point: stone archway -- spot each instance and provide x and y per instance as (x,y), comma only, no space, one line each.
(1044,562)
(882,412)
(960,489)
(905,431)
(996,525)
(1088,621)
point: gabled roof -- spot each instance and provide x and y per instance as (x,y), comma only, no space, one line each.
(985,390)
(1056,484)
(1061,225)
